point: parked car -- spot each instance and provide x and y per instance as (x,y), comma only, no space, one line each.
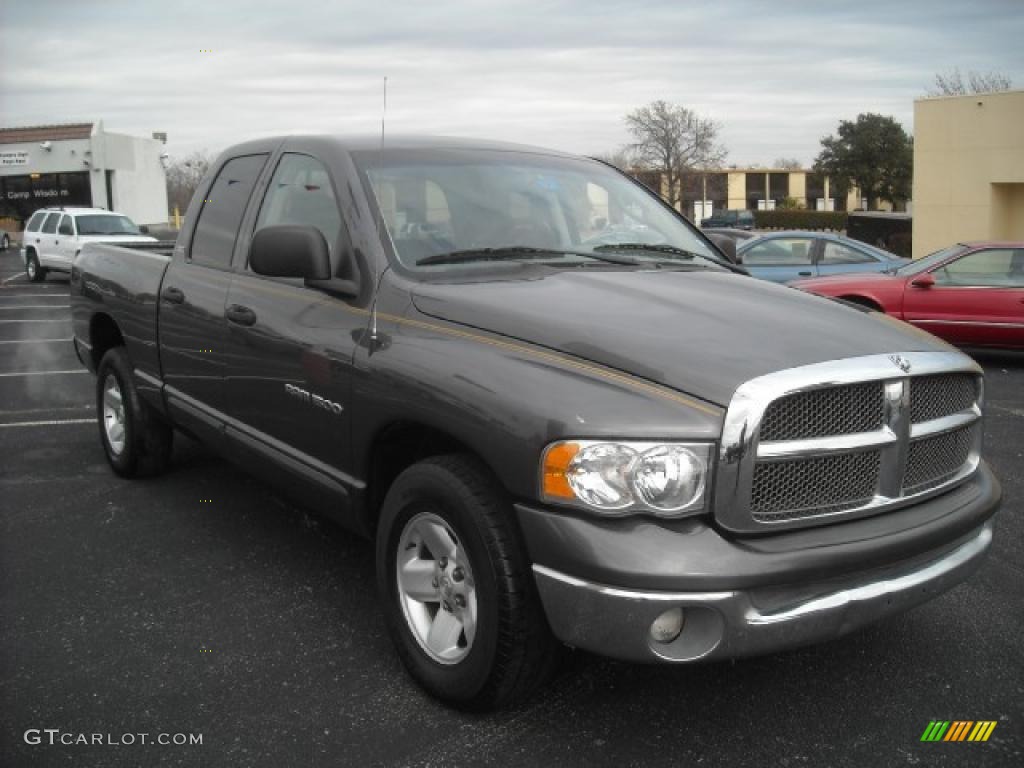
(54,236)
(784,256)
(971,294)
(883,229)
(731,219)
(5,240)
(550,432)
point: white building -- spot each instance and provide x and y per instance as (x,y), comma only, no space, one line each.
(81,164)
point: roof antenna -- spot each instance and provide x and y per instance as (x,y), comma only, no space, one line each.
(374,338)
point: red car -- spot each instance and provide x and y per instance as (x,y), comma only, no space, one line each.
(971,294)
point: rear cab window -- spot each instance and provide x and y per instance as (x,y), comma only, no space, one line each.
(222,211)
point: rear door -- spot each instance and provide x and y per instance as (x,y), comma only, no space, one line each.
(977,299)
(193,330)
(46,240)
(781,259)
(292,346)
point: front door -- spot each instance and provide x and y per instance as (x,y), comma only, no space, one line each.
(977,299)
(292,346)
(193,330)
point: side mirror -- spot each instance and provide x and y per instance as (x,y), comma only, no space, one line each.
(290,251)
(925,280)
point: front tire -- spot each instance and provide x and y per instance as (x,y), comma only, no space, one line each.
(457,589)
(35,273)
(135,439)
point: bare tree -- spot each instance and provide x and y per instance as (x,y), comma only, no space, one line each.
(623,158)
(788,164)
(183,177)
(952,83)
(672,139)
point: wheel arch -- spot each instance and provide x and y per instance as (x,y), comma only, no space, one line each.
(104,335)
(862,301)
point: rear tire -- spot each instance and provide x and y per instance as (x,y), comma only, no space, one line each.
(35,273)
(495,646)
(135,439)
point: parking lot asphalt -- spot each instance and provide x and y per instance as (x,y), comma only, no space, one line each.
(200,602)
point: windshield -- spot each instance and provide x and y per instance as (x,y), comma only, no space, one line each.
(106,224)
(469,209)
(929,261)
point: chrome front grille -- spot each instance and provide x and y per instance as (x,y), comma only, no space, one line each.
(845,439)
(834,411)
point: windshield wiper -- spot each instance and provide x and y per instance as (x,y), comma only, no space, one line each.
(511,253)
(681,253)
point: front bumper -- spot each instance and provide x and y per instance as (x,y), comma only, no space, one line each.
(758,596)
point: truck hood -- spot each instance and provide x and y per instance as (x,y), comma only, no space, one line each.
(702,333)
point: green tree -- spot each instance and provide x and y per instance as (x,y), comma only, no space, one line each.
(873,152)
(672,139)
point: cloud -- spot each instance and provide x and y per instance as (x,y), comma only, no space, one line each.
(559,74)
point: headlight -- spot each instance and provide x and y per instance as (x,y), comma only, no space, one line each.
(616,478)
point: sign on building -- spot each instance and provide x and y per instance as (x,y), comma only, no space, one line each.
(19,157)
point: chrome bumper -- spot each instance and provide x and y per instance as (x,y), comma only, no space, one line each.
(615,622)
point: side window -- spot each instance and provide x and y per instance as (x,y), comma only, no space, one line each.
(222,211)
(780,252)
(35,221)
(50,225)
(996,268)
(300,193)
(66,228)
(837,253)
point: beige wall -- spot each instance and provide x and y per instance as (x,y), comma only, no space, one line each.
(968,169)
(737,190)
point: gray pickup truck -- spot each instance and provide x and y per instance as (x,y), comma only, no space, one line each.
(561,414)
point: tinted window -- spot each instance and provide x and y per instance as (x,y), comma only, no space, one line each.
(301,193)
(781,251)
(66,227)
(222,211)
(50,225)
(837,253)
(106,224)
(997,268)
(36,219)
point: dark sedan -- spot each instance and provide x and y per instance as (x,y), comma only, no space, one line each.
(793,255)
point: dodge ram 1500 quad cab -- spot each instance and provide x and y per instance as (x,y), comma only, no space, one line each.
(561,414)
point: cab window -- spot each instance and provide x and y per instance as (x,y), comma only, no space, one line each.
(222,211)
(780,252)
(837,253)
(300,193)
(50,225)
(35,221)
(995,268)
(66,227)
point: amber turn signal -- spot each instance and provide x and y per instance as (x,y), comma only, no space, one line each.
(556,463)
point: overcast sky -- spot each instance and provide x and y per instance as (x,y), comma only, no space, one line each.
(778,76)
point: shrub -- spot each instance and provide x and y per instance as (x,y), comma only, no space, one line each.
(815,220)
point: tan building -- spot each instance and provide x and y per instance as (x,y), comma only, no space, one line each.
(704,192)
(968,169)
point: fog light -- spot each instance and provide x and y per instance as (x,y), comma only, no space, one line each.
(667,627)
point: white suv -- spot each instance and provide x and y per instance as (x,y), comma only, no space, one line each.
(54,236)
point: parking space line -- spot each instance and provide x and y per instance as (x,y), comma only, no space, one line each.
(30,295)
(42,373)
(7,280)
(36,306)
(48,423)
(68,320)
(36,341)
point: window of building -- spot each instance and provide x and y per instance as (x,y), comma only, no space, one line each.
(222,211)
